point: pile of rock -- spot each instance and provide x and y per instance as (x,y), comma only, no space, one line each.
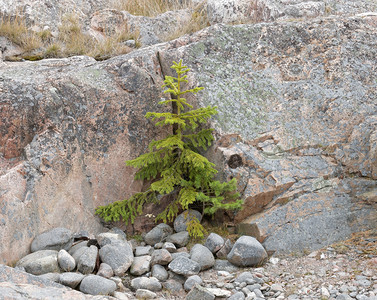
(109,264)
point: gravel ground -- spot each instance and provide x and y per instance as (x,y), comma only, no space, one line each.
(346,270)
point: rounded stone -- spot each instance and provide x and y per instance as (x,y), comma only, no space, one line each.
(214,242)
(66,262)
(141,265)
(143,250)
(225,249)
(179,239)
(237,296)
(170,247)
(71,279)
(161,257)
(184,266)
(54,239)
(40,262)
(77,246)
(87,261)
(151,284)
(145,294)
(97,285)
(119,256)
(105,238)
(199,292)
(181,221)
(172,286)
(191,281)
(203,256)
(247,252)
(158,234)
(177,254)
(159,272)
(105,271)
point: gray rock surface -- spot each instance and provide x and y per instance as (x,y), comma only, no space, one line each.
(159,272)
(184,266)
(170,247)
(105,238)
(158,234)
(173,286)
(224,250)
(48,14)
(180,239)
(161,257)
(222,293)
(54,239)
(199,292)
(158,29)
(97,285)
(290,147)
(105,271)
(224,265)
(214,242)
(15,284)
(291,127)
(243,11)
(79,252)
(151,284)
(247,252)
(87,261)
(145,294)
(180,222)
(177,254)
(246,277)
(71,279)
(65,147)
(66,262)
(192,281)
(229,11)
(143,250)
(77,246)
(40,262)
(140,265)
(119,256)
(49,276)
(203,256)
(237,296)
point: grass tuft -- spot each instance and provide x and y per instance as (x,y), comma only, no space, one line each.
(16,31)
(198,21)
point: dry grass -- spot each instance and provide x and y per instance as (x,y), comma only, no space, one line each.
(365,242)
(198,21)
(110,46)
(72,40)
(71,36)
(149,8)
(16,31)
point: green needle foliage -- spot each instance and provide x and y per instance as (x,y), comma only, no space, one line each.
(175,164)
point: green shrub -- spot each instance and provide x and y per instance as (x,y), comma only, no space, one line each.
(175,164)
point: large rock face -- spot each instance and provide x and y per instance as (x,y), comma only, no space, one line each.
(245,11)
(67,127)
(296,125)
(297,122)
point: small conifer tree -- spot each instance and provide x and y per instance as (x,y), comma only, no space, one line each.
(175,164)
